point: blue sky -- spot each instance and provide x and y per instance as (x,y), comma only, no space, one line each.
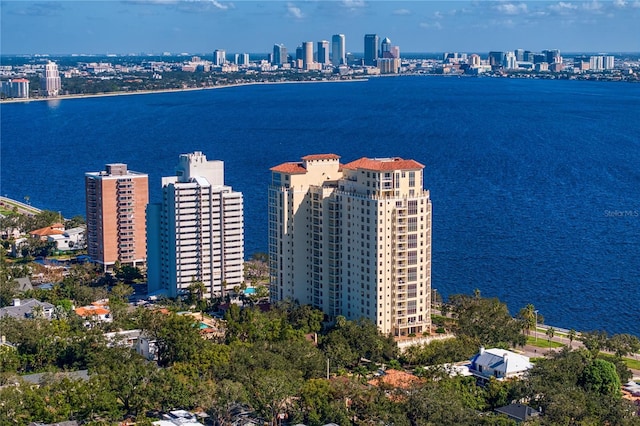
(200,26)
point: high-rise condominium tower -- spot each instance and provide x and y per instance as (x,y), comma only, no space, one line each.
(50,81)
(219,57)
(353,239)
(196,234)
(370,49)
(307,53)
(279,54)
(116,199)
(338,50)
(323,52)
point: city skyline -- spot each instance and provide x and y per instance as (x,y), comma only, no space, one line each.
(201,26)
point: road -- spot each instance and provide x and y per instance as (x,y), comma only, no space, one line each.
(23,208)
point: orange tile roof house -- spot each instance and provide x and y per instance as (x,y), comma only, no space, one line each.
(43,233)
(97,311)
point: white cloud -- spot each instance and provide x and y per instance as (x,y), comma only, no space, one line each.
(511,8)
(563,7)
(431,25)
(621,4)
(592,6)
(352,4)
(294,11)
(438,15)
(219,5)
(402,12)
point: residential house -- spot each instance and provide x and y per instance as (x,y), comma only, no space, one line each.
(518,412)
(98,312)
(178,418)
(499,363)
(44,233)
(70,239)
(28,308)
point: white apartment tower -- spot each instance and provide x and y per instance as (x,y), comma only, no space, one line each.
(353,239)
(219,57)
(197,232)
(50,81)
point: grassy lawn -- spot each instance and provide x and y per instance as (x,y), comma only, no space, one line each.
(543,342)
(631,362)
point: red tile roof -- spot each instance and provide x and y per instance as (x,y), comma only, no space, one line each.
(290,168)
(86,311)
(380,165)
(321,157)
(395,379)
(44,232)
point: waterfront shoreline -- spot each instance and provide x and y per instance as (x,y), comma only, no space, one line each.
(188,89)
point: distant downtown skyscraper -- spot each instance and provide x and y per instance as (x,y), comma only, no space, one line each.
(353,239)
(196,234)
(370,49)
(307,53)
(279,54)
(338,50)
(116,199)
(219,57)
(385,48)
(50,81)
(323,52)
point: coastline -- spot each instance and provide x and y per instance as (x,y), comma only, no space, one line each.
(188,89)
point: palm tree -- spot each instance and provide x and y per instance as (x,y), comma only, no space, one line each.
(571,336)
(527,316)
(550,333)
(197,290)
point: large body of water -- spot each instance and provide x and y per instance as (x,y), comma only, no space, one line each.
(535,184)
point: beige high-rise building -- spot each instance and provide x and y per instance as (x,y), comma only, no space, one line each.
(116,199)
(50,81)
(353,239)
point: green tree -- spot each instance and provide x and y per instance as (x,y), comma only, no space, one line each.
(126,374)
(550,333)
(623,344)
(271,392)
(178,339)
(74,222)
(572,388)
(572,336)
(594,341)
(527,316)
(487,320)
(128,273)
(601,377)
(304,317)
(440,403)
(8,288)
(227,395)
(197,289)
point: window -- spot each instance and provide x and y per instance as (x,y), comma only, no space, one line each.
(412,274)
(413,206)
(412,178)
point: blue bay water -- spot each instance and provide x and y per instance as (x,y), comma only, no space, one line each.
(535,184)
